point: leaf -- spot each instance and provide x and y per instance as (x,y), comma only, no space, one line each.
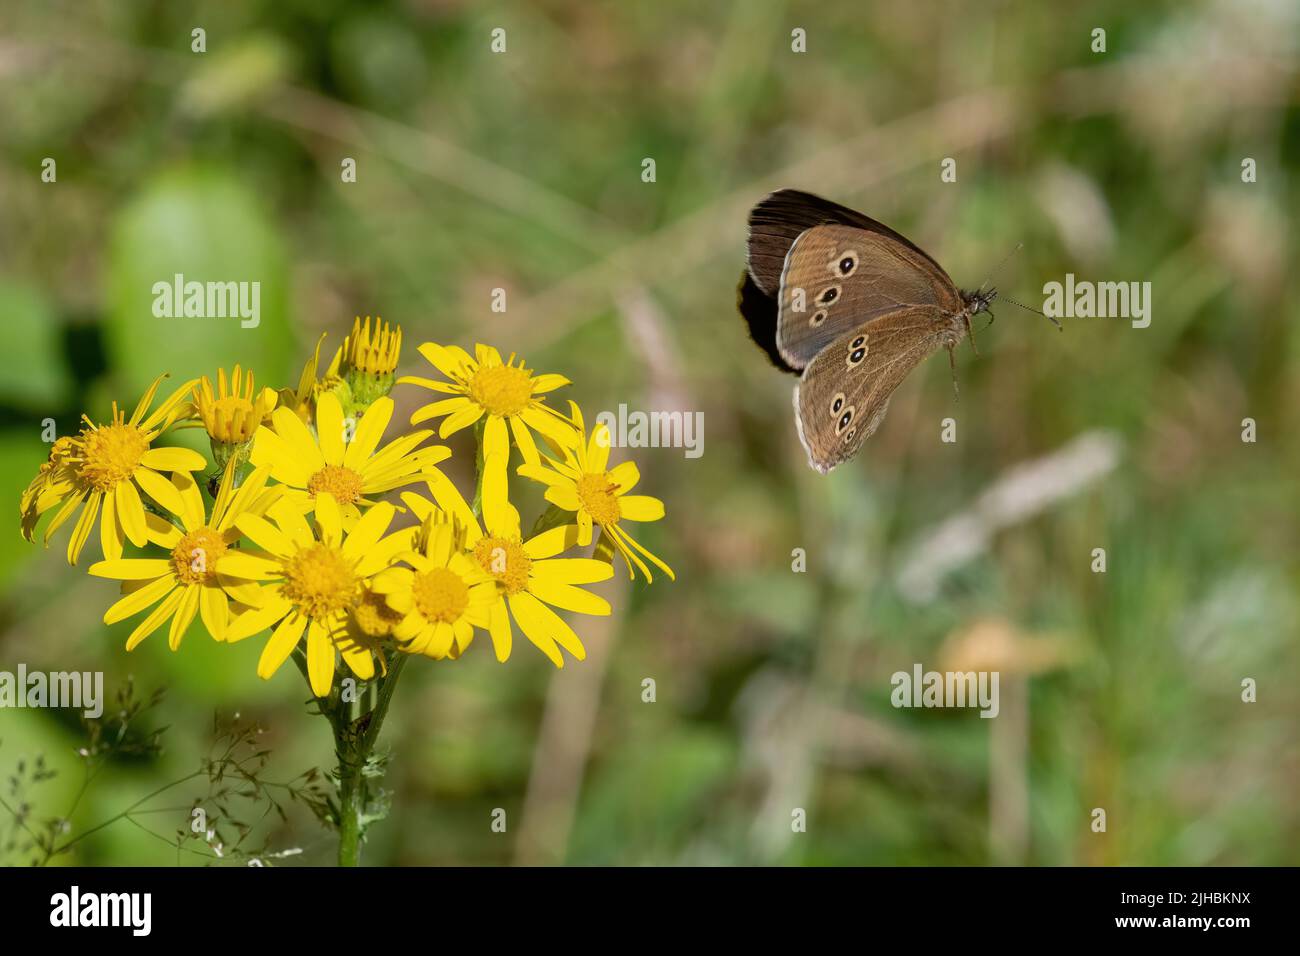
(205,226)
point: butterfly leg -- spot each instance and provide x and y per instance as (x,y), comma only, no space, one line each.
(952,364)
(970,334)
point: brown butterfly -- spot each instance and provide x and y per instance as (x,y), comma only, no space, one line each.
(852,306)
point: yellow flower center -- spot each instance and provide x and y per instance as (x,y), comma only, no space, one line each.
(111,454)
(343,483)
(320,581)
(501,389)
(440,595)
(505,560)
(596,495)
(195,557)
(373,617)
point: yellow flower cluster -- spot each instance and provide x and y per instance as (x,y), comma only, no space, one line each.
(295,536)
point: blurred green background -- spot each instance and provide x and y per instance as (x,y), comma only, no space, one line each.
(522,171)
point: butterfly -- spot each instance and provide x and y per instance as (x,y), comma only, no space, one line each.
(851,307)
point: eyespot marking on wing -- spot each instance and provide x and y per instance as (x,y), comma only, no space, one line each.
(837,403)
(845,420)
(843,263)
(828,295)
(818,318)
(848,435)
(857,350)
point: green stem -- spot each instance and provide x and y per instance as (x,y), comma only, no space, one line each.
(354,742)
(349,816)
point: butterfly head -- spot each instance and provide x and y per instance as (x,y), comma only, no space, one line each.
(979,300)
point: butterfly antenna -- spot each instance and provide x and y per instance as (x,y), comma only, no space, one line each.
(1000,266)
(1030,308)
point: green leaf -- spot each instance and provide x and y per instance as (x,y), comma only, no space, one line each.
(207,227)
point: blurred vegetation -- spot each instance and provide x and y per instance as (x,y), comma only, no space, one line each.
(522,171)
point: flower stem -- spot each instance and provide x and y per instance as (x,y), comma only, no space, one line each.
(354,742)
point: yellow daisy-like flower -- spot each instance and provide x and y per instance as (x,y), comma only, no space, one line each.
(185,583)
(598,495)
(371,622)
(442,596)
(503,391)
(368,362)
(375,354)
(529,576)
(53,479)
(231,413)
(328,462)
(310,579)
(108,465)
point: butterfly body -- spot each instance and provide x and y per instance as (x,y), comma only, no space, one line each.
(849,305)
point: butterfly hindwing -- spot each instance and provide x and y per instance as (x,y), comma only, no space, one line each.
(844,392)
(836,277)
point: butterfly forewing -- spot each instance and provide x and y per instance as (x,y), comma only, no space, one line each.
(779,219)
(845,390)
(837,277)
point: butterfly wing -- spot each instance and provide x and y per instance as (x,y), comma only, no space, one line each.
(844,392)
(780,218)
(837,277)
(759,311)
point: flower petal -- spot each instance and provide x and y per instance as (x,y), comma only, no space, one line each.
(640,508)
(446,406)
(367,532)
(524,439)
(131,569)
(624,476)
(548,383)
(545,628)
(598,448)
(568,597)
(155,618)
(185,612)
(329,520)
(461,419)
(330,428)
(111,535)
(173,459)
(293,432)
(263,534)
(139,599)
(85,523)
(572,570)
(248,565)
(499,628)
(215,610)
(496,439)
(552,542)
(359,660)
(451,361)
(160,490)
(369,431)
(320,659)
(280,646)
(273,453)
